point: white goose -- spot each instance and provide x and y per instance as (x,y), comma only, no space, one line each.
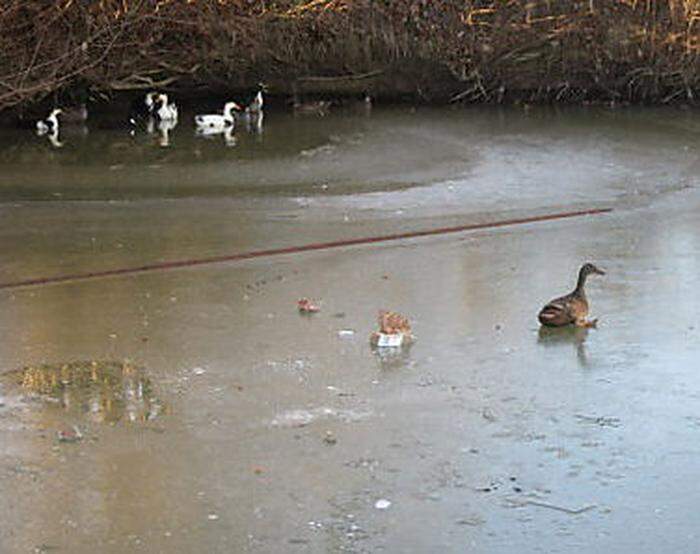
(218,123)
(50,124)
(164,110)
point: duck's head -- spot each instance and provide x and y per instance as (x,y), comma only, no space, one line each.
(159,100)
(590,269)
(56,112)
(151,99)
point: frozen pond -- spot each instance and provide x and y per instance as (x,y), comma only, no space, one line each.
(217,419)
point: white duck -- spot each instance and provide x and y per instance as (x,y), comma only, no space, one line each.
(218,123)
(50,124)
(164,110)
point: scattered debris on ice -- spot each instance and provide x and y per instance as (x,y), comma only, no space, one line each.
(306,306)
(70,435)
(300,418)
(394,330)
(382,504)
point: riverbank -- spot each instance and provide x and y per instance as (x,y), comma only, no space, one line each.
(569,52)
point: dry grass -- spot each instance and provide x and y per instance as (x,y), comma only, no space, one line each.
(489,50)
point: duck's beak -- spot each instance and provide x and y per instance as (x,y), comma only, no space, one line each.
(599,271)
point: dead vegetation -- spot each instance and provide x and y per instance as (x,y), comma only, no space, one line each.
(460,50)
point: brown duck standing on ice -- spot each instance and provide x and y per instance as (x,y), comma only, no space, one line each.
(571,309)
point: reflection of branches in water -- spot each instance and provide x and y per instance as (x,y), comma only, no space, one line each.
(557,336)
(106,391)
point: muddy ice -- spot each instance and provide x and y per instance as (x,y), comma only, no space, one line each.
(213,417)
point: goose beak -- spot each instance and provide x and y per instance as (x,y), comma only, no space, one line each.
(599,271)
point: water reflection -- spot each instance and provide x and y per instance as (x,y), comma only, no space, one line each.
(162,128)
(254,123)
(103,391)
(59,135)
(391,358)
(211,133)
(561,336)
(54,139)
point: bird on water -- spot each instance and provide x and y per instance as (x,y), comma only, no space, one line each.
(571,309)
(50,124)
